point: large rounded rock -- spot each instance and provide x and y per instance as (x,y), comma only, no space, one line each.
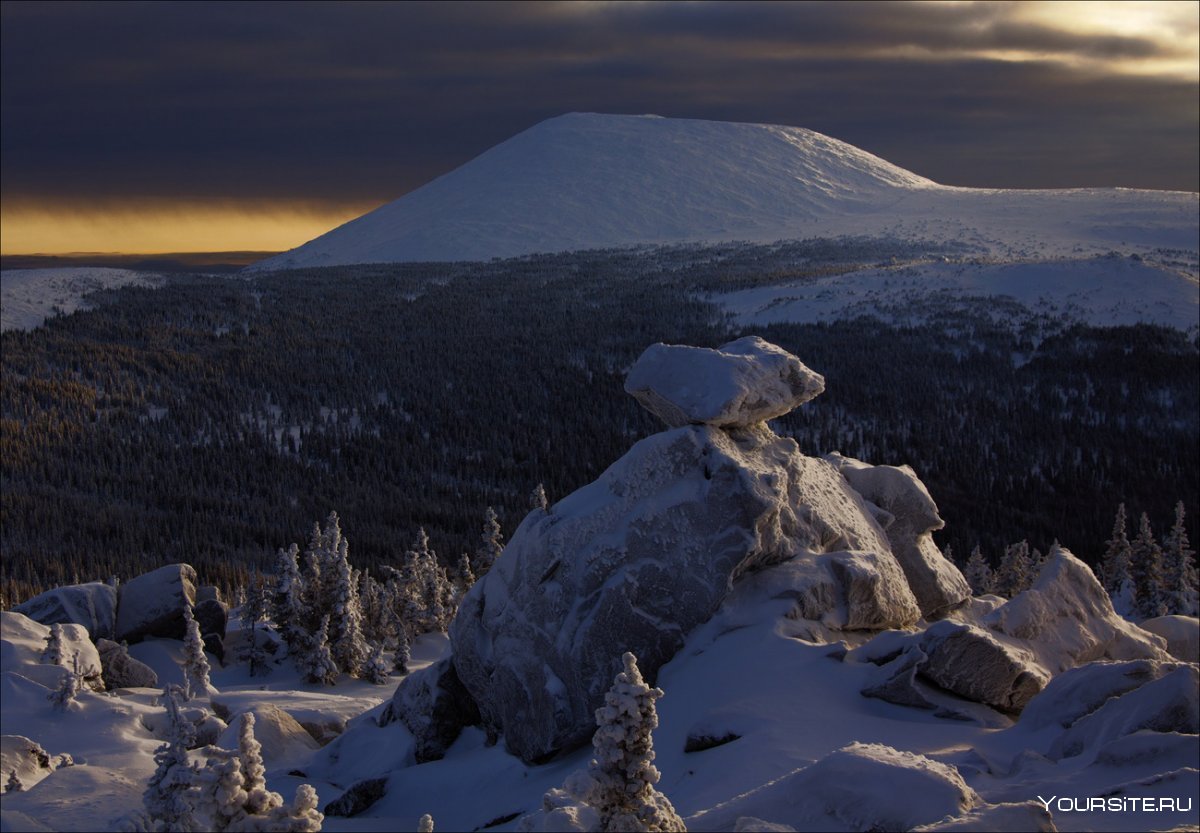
(636,560)
(153,603)
(93,605)
(742,383)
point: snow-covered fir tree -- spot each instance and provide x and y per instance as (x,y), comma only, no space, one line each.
(425,594)
(13,784)
(425,824)
(168,799)
(493,541)
(287,600)
(978,573)
(617,791)
(538,499)
(53,652)
(1014,573)
(403,655)
(376,670)
(1114,564)
(464,576)
(1146,567)
(232,793)
(196,682)
(317,663)
(68,687)
(346,643)
(1179,568)
(254,611)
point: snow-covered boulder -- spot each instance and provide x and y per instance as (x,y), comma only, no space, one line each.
(23,640)
(1182,634)
(152,604)
(639,558)
(93,605)
(1077,693)
(27,759)
(285,743)
(742,383)
(433,704)
(859,787)
(212,616)
(1067,619)
(933,579)
(972,663)
(122,670)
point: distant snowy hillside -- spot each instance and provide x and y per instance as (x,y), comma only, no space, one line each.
(586,180)
(30,296)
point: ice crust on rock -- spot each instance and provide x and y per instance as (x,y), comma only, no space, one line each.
(152,604)
(739,384)
(1067,619)
(93,605)
(936,582)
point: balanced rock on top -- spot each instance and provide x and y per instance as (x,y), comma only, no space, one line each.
(742,383)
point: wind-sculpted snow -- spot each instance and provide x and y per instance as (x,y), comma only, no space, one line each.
(745,382)
(641,557)
(23,643)
(1182,634)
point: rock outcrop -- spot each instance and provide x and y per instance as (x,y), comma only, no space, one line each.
(152,604)
(121,670)
(1067,619)
(638,559)
(910,520)
(93,605)
(434,706)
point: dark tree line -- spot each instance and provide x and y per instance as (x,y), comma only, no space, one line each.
(211,419)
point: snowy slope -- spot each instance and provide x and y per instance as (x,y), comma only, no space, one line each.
(585,180)
(30,296)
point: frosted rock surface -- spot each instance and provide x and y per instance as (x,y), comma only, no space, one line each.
(972,663)
(1067,619)
(936,582)
(742,383)
(639,558)
(1182,634)
(152,604)
(434,706)
(123,671)
(93,605)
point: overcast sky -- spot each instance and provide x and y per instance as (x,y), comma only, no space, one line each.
(233,125)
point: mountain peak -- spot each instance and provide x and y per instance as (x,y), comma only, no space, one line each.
(593,180)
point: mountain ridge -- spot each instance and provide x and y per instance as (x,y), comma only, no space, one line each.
(586,181)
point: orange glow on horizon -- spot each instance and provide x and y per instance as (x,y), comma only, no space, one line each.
(156,227)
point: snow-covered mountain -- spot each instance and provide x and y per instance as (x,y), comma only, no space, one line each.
(585,180)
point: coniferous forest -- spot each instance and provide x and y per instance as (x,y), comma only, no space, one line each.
(213,419)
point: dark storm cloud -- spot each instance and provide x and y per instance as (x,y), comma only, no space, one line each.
(362,101)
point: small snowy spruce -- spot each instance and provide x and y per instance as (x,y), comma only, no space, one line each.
(1179,568)
(63,696)
(168,800)
(196,681)
(538,499)
(1146,567)
(617,791)
(347,646)
(493,541)
(13,784)
(376,670)
(317,664)
(254,611)
(287,601)
(1015,571)
(403,655)
(425,824)
(53,652)
(978,573)
(1114,564)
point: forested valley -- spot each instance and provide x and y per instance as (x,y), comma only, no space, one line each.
(212,420)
